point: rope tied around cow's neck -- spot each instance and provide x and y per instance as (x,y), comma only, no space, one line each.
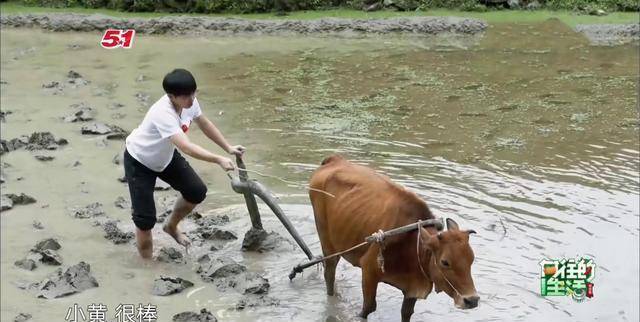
(418,252)
(378,237)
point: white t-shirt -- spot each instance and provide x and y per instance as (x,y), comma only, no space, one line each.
(150,142)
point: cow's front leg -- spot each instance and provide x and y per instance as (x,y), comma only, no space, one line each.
(370,280)
(407,308)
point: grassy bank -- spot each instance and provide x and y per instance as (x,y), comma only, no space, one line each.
(501,16)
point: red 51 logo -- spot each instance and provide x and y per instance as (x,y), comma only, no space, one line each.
(114,38)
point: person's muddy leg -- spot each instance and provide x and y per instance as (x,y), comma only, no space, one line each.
(143,210)
(144,242)
(180,210)
(180,176)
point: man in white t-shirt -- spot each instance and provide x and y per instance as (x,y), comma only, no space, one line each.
(151,153)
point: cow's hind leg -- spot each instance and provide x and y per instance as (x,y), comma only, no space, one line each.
(407,308)
(330,274)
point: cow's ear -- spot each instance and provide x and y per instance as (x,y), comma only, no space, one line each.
(451,224)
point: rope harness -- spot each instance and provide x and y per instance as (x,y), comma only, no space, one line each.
(379,238)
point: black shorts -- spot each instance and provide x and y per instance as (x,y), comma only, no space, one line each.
(142,180)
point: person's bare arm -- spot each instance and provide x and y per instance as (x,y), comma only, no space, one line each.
(181,141)
(212,132)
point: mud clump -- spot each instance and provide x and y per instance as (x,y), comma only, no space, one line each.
(35,141)
(60,283)
(250,301)
(81,113)
(112,132)
(226,274)
(90,211)
(9,200)
(203,316)
(164,286)
(258,240)
(170,255)
(115,234)
(122,203)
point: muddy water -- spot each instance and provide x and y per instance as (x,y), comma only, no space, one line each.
(528,135)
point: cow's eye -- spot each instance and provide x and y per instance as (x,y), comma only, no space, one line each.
(444,263)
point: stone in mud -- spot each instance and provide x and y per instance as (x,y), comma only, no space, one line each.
(73,74)
(194,215)
(203,316)
(5,203)
(52,84)
(161,185)
(118,116)
(215,268)
(122,179)
(75,279)
(10,200)
(141,78)
(36,141)
(50,257)
(75,79)
(3,114)
(143,98)
(82,113)
(254,284)
(122,203)
(161,217)
(258,240)
(48,243)
(22,317)
(75,47)
(580,117)
(44,158)
(218,220)
(37,225)
(21,199)
(115,234)
(44,141)
(115,106)
(89,211)
(13,144)
(118,158)
(170,255)
(250,301)
(213,233)
(112,132)
(164,286)
(26,263)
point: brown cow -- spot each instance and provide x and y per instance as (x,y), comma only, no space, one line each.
(364,202)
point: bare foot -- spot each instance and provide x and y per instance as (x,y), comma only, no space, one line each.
(179,236)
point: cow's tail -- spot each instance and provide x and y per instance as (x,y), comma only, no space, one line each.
(330,159)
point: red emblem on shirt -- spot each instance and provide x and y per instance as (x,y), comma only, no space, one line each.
(185,128)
